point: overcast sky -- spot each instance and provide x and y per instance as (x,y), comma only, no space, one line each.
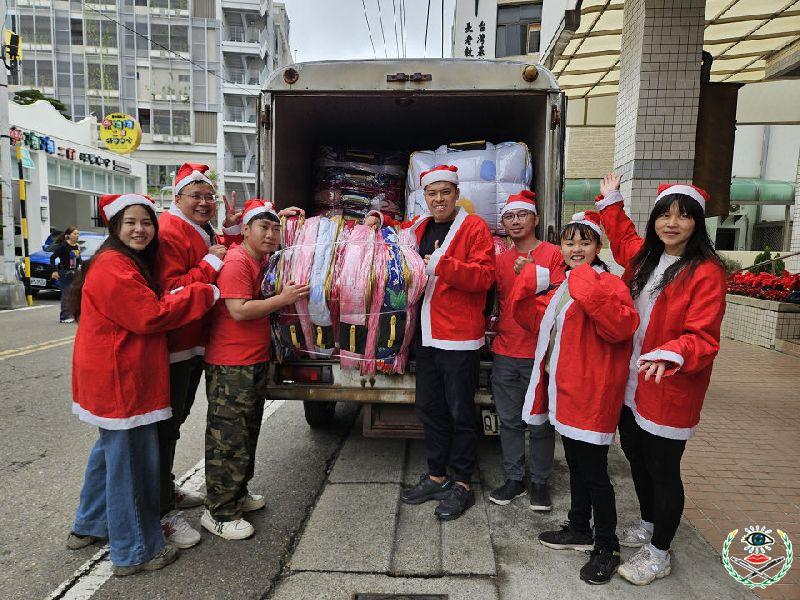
(337,29)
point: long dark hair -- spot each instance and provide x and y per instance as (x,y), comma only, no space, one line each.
(585,233)
(145,260)
(62,237)
(699,247)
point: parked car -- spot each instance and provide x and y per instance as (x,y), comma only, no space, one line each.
(42,271)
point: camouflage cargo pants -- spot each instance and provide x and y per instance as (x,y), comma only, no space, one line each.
(236,398)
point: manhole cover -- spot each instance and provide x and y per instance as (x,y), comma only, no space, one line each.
(400,597)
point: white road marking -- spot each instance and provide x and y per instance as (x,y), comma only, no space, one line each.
(92,574)
(11,310)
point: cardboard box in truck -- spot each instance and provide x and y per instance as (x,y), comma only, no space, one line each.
(399,105)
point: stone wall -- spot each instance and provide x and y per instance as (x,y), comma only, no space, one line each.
(760,322)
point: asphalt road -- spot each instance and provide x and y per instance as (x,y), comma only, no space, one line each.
(44,452)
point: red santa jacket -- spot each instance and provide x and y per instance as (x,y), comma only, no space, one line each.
(682,325)
(583,393)
(460,272)
(120,373)
(183,258)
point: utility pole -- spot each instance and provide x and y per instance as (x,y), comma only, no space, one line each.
(12,292)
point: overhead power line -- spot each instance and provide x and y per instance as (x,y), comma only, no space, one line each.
(383,35)
(396,42)
(173,52)
(427,20)
(369,28)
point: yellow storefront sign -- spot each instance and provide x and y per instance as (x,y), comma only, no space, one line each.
(121,133)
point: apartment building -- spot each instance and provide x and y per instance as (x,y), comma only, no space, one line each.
(189,70)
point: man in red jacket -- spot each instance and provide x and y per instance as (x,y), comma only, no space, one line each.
(459,254)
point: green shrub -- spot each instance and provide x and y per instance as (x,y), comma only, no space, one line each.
(775,268)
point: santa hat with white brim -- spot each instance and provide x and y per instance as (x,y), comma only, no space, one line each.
(525,200)
(111,204)
(190,173)
(695,193)
(255,207)
(589,218)
(438,173)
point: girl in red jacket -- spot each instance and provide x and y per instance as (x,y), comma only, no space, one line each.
(587,322)
(120,384)
(678,285)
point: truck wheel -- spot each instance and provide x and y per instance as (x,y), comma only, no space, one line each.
(319,415)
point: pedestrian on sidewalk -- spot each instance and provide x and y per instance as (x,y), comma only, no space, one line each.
(585,327)
(120,383)
(459,257)
(236,370)
(513,349)
(678,285)
(68,253)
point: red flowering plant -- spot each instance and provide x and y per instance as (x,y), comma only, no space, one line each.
(764,285)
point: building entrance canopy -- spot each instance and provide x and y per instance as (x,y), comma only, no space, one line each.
(750,40)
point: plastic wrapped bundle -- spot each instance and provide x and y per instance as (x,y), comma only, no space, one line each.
(353,281)
(486,178)
(377,294)
(351,182)
(416,280)
(287,332)
(320,282)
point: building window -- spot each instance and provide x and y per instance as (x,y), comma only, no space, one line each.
(44,73)
(100,34)
(179,38)
(180,122)
(141,3)
(518,30)
(161,122)
(144,119)
(76,32)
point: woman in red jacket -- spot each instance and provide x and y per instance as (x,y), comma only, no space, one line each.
(585,327)
(678,285)
(120,383)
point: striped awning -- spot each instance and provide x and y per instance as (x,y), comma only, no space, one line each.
(750,41)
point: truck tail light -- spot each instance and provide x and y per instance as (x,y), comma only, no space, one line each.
(316,374)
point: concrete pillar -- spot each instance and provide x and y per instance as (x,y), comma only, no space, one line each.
(659,94)
(793,264)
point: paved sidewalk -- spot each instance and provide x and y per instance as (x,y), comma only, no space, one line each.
(743,466)
(360,538)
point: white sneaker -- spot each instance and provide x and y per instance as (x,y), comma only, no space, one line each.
(178,532)
(229,530)
(188,498)
(634,536)
(643,567)
(253,502)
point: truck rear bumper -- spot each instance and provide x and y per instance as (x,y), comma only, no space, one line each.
(321,393)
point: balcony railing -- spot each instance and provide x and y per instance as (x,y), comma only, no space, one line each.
(236,33)
(241,76)
(239,115)
(239,164)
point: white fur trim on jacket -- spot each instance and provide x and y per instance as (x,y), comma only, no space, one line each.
(182,355)
(214,261)
(665,431)
(162,414)
(175,210)
(190,178)
(667,355)
(124,201)
(232,230)
(607,201)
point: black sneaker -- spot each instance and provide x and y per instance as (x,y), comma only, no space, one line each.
(601,567)
(540,497)
(507,492)
(457,501)
(75,541)
(426,489)
(567,539)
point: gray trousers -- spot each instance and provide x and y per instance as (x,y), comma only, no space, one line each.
(510,379)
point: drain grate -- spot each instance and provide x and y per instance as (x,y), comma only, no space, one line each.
(401,597)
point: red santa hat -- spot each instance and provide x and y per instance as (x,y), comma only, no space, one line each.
(439,173)
(525,200)
(589,218)
(189,173)
(695,193)
(255,207)
(111,204)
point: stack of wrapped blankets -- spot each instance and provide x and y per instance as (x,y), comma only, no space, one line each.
(486,178)
(365,291)
(352,182)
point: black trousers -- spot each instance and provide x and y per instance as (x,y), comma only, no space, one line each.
(591,491)
(656,469)
(446,381)
(184,378)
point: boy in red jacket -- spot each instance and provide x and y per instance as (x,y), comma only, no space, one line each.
(513,349)
(459,255)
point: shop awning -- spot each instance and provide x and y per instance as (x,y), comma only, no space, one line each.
(743,191)
(749,40)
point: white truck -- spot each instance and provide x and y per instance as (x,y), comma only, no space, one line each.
(392,104)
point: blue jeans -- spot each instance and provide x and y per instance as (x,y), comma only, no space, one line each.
(119,499)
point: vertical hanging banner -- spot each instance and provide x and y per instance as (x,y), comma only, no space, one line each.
(475,29)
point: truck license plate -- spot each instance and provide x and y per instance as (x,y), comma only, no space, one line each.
(39,281)
(491,425)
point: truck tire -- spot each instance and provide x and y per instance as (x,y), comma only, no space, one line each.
(319,415)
